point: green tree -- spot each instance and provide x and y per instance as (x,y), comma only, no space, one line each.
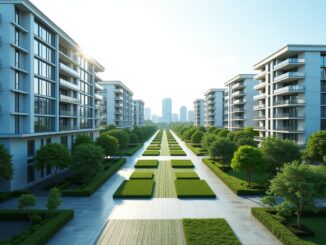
(26,202)
(107,129)
(122,136)
(6,168)
(87,161)
(109,144)
(188,133)
(134,138)
(197,137)
(316,147)
(269,201)
(54,200)
(250,160)
(140,132)
(210,130)
(53,155)
(82,139)
(278,151)
(300,185)
(207,140)
(246,141)
(230,136)
(223,133)
(222,149)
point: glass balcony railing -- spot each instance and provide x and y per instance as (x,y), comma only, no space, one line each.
(287,89)
(260,96)
(289,76)
(289,102)
(69,69)
(289,62)
(69,98)
(69,84)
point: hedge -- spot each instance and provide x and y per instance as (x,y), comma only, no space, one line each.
(130,151)
(146,164)
(182,163)
(99,179)
(177,153)
(4,196)
(142,175)
(135,189)
(151,153)
(186,175)
(193,189)
(232,182)
(277,228)
(195,150)
(42,232)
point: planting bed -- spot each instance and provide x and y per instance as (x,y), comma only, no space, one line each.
(182,163)
(135,189)
(146,164)
(142,175)
(193,188)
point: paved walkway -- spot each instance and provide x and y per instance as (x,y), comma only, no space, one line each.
(92,213)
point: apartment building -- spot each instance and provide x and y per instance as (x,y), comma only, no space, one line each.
(199,111)
(183,114)
(48,89)
(239,102)
(138,113)
(214,107)
(118,104)
(292,93)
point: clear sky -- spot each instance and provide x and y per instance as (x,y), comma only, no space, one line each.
(182,48)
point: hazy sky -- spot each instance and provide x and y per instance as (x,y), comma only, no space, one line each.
(182,48)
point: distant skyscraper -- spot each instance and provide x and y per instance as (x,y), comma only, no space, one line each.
(148,113)
(183,114)
(166,110)
(175,117)
(190,116)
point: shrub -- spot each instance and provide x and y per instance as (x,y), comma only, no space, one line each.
(54,200)
(151,153)
(186,175)
(121,135)
(177,153)
(207,140)
(142,175)
(6,168)
(316,147)
(223,150)
(193,188)
(109,144)
(82,139)
(182,163)
(146,164)
(197,137)
(133,138)
(135,189)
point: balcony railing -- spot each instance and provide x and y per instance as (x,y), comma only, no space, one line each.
(260,76)
(68,128)
(69,113)
(98,97)
(260,96)
(69,98)
(259,107)
(69,84)
(259,138)
(69,69)
(260,85)
(289,102)
(238,85)
(238,93)
(289,76)
(289,89)
(289,115)
(289,62)
(99,87)
(235,102)
(289,129)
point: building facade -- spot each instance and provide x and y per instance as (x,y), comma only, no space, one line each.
(291,103)
(183,114)
(190,116)
(167,110)
(138,113)
(147,113)
(48,89)
(118,104)
(214,108)
(199,111)
(239,102)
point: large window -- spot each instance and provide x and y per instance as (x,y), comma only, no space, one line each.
(30,148)
(17,59)
(30,171)
(44,106)
(43,124)
(42,87)
(43,33)
(43,51)
(323,60)
(17,16)
(43,69)
(17,37)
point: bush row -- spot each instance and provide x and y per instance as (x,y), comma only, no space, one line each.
(196,150)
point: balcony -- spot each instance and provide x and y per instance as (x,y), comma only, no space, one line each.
(259,107)
(289,90)
(289,76)
(69,85)
(285,129)
(98,97)
(238,118)
(118,98)
(226,97)
(289,64)
(68,127)
(260,96)
(289,116)
(118,104)
(69,99)
(237,110)
(238,86)
(260,86)
(99,87)
(69,70)
(260,117)
(260,76)
(285,103)
(68,113)
(118,91)
(238,102)
(259,128)
(238,94)
(99,107)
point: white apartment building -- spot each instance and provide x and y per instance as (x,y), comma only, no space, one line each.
(199,111)
(48,89)
(214,107)
(239,102)
(138,113)
(292,93)
(118,104)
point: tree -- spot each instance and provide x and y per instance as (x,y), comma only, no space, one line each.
(53,155)
(246,141)
(277,152)
(140,133)
(87,161)
(25,202)
(250,160)
(269,201)
(300,185)
(188,133)
(316,147)
(109,144)
(82,139)
(197,137)
(207,140)
(54,200)
(133,138)
(223,133)
(6,168)
(122,136)
(230,136)
(222,149)
(107,129)
(210,130)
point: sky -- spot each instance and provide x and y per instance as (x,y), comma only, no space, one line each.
(182,48)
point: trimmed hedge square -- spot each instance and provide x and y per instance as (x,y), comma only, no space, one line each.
(135,189)
(146,164)
(142,175)
(177,153)
(186,175)
(151,153)
(182,163)
(193,189)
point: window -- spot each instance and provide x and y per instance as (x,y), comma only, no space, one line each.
(43,51)
(30,148)
(44,106)
(17,37)
(323,124)
(48,140)
(17,16)
(17,124)
(43,33)
(43,69)
(17,59)
(43,87)
(64,140)
(17,102)
(30,171)
(43,124)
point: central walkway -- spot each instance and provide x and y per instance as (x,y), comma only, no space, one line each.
(96,213)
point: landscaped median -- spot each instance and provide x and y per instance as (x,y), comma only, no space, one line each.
(135,189)
(193,188)
(208,231)
(236,182)
(48,224)
(95,183)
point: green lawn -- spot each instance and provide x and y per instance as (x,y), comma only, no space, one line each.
(142,175)
(182,163)
(146,164)
(237,181)
(153,148)
(177,153)
(186,175)
(193,188)
(209,232)
(151,153)
(135,189)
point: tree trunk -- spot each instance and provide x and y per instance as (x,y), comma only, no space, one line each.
(298,213)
